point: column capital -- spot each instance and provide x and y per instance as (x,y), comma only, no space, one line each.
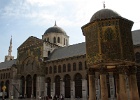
(91,71)
(132,70)
(102,70)
(122,69)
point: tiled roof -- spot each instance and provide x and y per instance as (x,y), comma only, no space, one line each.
(69,51)
(136,37)
(7,64)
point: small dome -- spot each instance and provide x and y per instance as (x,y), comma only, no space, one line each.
(55,29)
(104,14)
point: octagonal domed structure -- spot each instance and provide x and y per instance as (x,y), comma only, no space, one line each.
(104,14)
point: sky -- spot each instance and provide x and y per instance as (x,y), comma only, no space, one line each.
(24,18)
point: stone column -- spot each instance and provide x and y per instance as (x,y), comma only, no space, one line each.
(122,83)
(134,95)
(103,83)
(53,89)
(92,91)
(112,87)
(72,90)
(32,89)
(61,87)
(84,84)
(116,76)
(97,85)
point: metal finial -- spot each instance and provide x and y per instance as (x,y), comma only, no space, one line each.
(104,4)
(55,24)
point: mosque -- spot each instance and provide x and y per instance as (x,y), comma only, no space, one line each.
(50,66)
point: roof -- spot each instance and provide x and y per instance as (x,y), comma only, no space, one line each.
(104,14)
(7,64)
(136,36)
(55,29)
(69,51)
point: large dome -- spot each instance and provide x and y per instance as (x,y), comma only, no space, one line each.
(55,29)
(104,14)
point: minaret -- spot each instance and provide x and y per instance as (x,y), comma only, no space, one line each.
(9,56)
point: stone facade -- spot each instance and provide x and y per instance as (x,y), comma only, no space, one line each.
(50,66)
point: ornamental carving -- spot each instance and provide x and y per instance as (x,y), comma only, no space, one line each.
(123,69)
(103,69)
(91,71)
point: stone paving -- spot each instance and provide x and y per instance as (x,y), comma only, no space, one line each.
(44,99)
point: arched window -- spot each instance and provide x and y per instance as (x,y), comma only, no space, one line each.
(48,39)
(69,67)
(74,66)
(4,76)
(64,41)
(137,57)
(46,70)
(50,70)
(55,69)
(58,39)
(49,53)
(59,69)
(54,40)
(85,65)
(64,68)
(80,65)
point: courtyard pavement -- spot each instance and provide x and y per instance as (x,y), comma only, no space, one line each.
(45,99)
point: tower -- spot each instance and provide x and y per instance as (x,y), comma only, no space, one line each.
(9,56)
(109,49)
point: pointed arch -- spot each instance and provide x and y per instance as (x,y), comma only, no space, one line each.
(48,80)
(67,80)
(28,86)
(57,85)
(7,88)
(54,40)
(78,85)
(22,85)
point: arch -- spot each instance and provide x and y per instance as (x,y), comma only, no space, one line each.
(49,52)
(55,69)
(67,80)
(69,67)
(48,39)
(50,70)
(57,85)
(74,66)
(49,87)
(54,40)
(85,65)
(28,86)
(137,56)
(59,69)
(64,68)
(7,88)
(78,85)
(22,85)
(58,39)
(80,66)
(2,84)
(34,85)
(64,41)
